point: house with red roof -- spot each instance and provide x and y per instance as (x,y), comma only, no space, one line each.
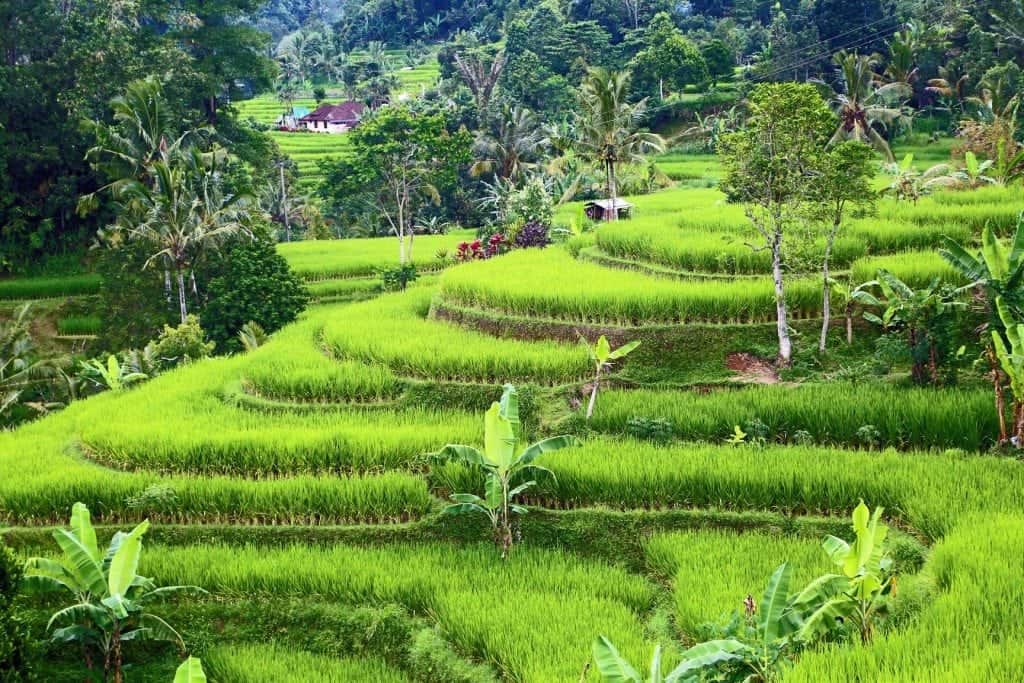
(333,118)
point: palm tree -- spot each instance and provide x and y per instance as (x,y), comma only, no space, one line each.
(606,127)
(865,104)
(902,67)
(143,130)
(185,213)
(511,148)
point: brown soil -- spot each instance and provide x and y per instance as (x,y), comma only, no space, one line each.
(751,368)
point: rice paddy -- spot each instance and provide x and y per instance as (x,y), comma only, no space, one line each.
(300,472)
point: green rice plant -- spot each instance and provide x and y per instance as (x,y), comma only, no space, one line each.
(296,367)
(924,490)
(346,289)
(831,413)
(998,207)
(883,236)
(393,331)
(272,662)
(175,424)
(40,480)
(916,268)
(210,437)
(49,287)
(695,250)
(80,326)
(533,617)
(316,260)
(551,284)
(712,572)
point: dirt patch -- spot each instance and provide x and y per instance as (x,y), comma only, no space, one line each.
(751,368)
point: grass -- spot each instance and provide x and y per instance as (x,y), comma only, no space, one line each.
(318,260)
(49,287)
(829,413)
(496,611)
(551,284)
(651,239)
(916,268)
(270,662)
(713,571)
(923,490)
(394,332)
(84,325)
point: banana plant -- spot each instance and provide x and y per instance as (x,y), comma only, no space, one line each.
(504,465)
(602,356)
(858,593)
(757,650)
(975,173)
(614,668)
(920,313)
(1010,353)
(110,598)
(190,671)
(850,296)
(997,273)
(113,375)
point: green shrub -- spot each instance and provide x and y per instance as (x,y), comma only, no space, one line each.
(14,640)
(252,283)
(182,344)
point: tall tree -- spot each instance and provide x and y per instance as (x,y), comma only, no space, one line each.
(843,181)
(770,167)
(669,60)
(606,131)
(399,162)
(864,104)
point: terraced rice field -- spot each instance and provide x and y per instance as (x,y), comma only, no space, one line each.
(295,482)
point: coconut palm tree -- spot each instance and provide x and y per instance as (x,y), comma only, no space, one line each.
(512,147)
(865,104)
(606,132)
(143,130)
(903,49)
(185,213)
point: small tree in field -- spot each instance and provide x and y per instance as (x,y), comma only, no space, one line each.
(771,166)
(844,180)
(399,161)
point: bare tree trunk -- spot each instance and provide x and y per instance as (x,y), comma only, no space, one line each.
(168,289)
(849,326)
(593,394)
(826,299)
(782,317)
(182,307)
(612,191)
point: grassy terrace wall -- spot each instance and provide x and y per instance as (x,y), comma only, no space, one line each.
(292,482)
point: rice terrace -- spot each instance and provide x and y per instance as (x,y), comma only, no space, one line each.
(637,342)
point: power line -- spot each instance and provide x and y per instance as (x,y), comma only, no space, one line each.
(813,59)
(860,42)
